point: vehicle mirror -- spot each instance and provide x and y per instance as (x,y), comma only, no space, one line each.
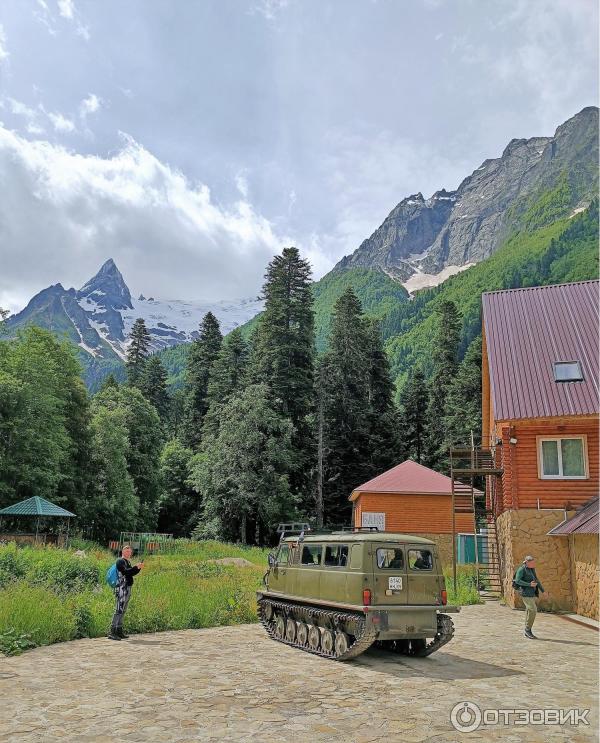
(272,560)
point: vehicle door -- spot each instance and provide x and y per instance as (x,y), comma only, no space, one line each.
(279,571)
(308,572)
(423,575)
(390,578)
(334,572)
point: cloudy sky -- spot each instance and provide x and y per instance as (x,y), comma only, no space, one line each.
(191,140)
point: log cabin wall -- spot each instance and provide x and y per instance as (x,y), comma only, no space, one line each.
(522,486)
(413,514)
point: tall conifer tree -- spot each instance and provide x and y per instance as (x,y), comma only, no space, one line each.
(137,352)
(227,377)
(445,367)
(283,354)
(202,355)
(154,386)
(463,404)
(413,409)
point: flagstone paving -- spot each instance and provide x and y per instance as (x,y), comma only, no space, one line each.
(234,684)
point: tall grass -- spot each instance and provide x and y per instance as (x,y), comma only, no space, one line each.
(51,595)
(466,586)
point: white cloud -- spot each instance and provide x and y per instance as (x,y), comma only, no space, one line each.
(241,183)
(3,50)
(61,123)
(66,213)
(21,109)
(89,105)
(66,9)
(269,9)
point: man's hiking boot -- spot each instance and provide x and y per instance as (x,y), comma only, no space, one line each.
(113,634)
(122,634)
(529,635)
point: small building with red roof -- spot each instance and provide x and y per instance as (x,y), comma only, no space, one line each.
(411,499)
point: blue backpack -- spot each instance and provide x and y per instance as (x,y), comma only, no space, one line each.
(112,576)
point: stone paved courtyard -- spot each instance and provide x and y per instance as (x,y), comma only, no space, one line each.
(234,684)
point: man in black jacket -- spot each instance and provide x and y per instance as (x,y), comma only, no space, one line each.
(125,572)
(529,586)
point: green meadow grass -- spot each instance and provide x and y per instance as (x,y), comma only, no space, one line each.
(50,595)
(466,586)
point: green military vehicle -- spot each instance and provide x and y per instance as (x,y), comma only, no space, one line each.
(335,594)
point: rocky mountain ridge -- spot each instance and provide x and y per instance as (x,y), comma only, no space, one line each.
(423,241)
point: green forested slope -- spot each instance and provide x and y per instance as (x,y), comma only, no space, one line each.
(566,250)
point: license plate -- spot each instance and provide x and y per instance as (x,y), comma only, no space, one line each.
(395,583)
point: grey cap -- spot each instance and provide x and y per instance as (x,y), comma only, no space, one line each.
(528,558)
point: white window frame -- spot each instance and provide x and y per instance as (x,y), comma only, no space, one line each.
(541,474)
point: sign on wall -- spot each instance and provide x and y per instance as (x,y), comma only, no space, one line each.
(373,519)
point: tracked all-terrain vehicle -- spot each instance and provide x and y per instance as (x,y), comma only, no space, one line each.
(335,594)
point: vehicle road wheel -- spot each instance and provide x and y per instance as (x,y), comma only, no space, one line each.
(341,643)
(280,626)
(327,641)
(302,633)
(268,611)
(314,637)
(290,630)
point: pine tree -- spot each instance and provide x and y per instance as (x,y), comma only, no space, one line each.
(137,352)
(383,421)
(413,408)
(344,376)
(445,367)
(202,355)
(242,476)
(109,382)
(283,354)
(463,404)
(153,385)
(227,377)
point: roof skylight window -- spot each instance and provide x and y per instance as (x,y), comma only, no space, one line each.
(567,371)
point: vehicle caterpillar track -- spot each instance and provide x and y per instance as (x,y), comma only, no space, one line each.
(331,634)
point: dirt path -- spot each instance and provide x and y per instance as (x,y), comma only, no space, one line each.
(234,684)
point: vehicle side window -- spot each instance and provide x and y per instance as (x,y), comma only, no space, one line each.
(283,554)
(336,555)
(355,557)
(420,560)
(311,554)
(390,558)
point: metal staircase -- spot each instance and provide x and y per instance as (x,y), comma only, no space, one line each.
(467,464)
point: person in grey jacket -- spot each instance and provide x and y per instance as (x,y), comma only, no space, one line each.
(530,587)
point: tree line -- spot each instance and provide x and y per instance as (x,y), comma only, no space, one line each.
(263,431)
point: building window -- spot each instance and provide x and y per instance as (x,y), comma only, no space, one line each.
(567,371)
(562,458)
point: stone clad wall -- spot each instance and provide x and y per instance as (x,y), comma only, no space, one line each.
(525,531)
(444,545)
(585,558)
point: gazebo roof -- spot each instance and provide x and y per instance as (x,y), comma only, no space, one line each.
(35,506)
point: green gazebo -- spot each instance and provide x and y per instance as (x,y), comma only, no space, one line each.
(37,508)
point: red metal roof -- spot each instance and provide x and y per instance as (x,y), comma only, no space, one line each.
(408,477)
(585,521)
(527,331)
